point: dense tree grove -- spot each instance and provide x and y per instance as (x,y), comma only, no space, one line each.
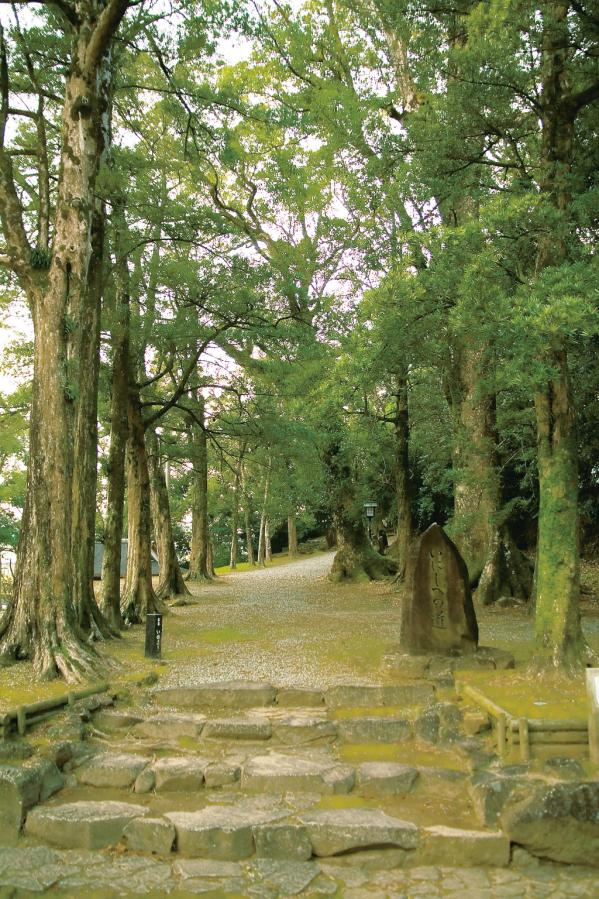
(284,258)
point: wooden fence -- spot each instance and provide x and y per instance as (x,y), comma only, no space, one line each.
(25,716)
(528,734)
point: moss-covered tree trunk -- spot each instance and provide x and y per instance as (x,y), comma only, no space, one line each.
(403,484)
(170,582)
(559,641)
(496,566)
(139,597)
(115,491)
(44,620)
(200,538)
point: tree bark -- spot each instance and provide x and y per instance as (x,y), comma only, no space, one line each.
(198,557)
(267,543)
(559,642)
(249,536)
(292,536)
(403,483)
(139,597)
(355,559)
(235,521)
(496,567)
(171,583)
(115,500)
(44,620)
(263,536)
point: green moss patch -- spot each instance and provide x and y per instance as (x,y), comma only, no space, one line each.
(522,695)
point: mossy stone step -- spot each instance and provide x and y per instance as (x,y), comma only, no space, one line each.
(82,825)
(279,773)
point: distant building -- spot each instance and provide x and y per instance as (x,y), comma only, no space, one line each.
(99,554)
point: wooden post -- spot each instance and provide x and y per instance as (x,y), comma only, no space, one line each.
(501,732)
(524,739)
(21,720)
(593,694)
(5,721)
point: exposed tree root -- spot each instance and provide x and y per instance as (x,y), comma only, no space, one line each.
(506,573)
(351,564)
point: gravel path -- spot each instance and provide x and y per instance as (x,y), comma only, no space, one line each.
(286,624)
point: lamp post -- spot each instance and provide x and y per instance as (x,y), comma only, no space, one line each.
(369,510)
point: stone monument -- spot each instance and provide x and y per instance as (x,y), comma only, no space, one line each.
(438,614)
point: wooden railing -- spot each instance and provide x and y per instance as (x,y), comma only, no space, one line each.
(525,733)
(25,716)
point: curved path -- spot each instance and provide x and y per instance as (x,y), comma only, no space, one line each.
(286,624)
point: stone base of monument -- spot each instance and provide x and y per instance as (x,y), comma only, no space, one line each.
(437,666)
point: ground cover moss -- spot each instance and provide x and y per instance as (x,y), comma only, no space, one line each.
(386,711)
(407,753)
(522,695)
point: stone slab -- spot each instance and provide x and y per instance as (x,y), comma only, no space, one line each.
(385,779)
(367,696)
(282,841)
(217,831)
(108,769)
(82,825)
(182,774)
(113,720)
(295,730)
(278,773)
(153,835)
(332,832)
(295,698)
(21,787)
(167,726)
(223,773)
(288,877)
(374,729)
(453,846)
(222,695)
(237,729)
(559,822)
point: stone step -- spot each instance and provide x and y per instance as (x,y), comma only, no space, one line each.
(278,773)
(297,729)
(233,833)
(237,695)
(82,825)
(274,772)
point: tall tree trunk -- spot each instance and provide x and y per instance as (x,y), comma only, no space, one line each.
(139,597)
(210,558)
(86,446)
(43,622)
(235,521)
(292,536)
(200,538)
(355,558)
(403,484)
(559,639)
(171,581)
(249,536)
(267,543)
(263,534)
(115,499)
(496,566)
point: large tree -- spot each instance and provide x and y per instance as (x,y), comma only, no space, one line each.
(59,276)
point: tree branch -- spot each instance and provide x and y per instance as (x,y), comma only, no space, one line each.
(107,24)
(583,98)
(11,212)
